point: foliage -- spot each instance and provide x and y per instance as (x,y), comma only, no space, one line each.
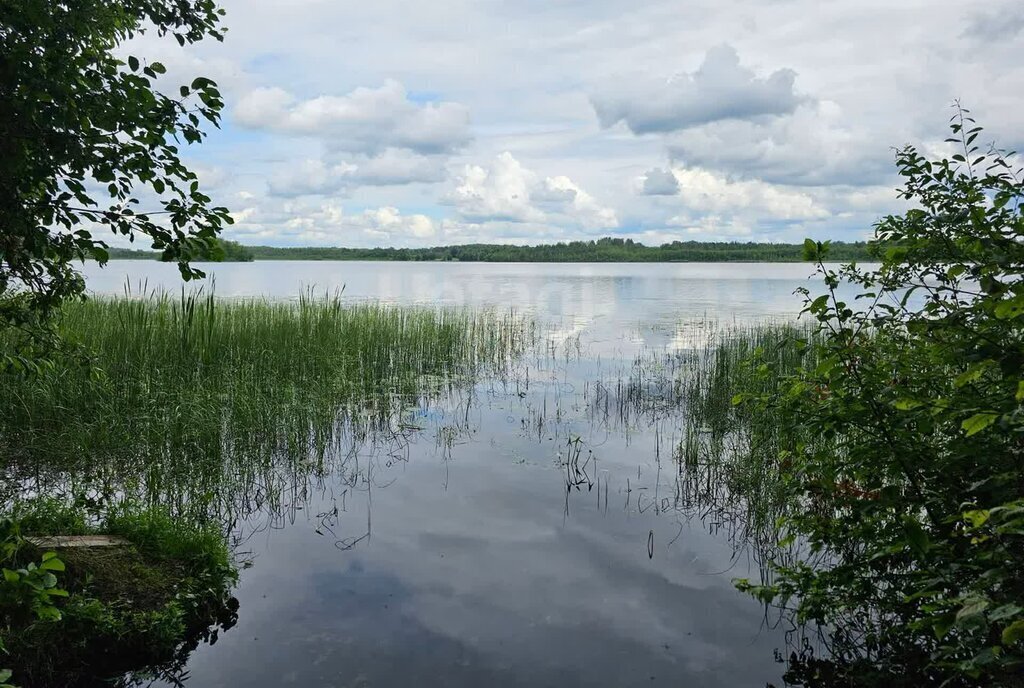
(900,444)
(607,250)
(125,607)
(84,135)
(28,591)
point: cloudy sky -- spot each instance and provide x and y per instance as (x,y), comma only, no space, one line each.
(524,121)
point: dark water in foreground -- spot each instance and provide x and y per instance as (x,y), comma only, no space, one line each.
(530,531)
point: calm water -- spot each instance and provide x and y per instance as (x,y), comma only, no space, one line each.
(519,533)
(610,305)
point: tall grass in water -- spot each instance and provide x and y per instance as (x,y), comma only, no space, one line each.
(721,462)
(184,383)
(727,456)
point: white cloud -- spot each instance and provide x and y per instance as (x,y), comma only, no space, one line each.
(498,192)
(366,120)
(560,195)
(380,95)
(659,182)
(720,89)
(1000,23)
(705,192)
(702,204)
(392,167)
(816,145)
(506,191)
(326,223)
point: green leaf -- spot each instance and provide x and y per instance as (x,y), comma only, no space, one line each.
(48,613)
(917,538)
(907,404)
(896,254)
(1020,390)
(11,576)
(133,63)
(1013,633)
(5,675)
(818,304)
(978,422)
(810,249)
(972,607)
(970,375)
(942,625)
(1006,611)
(1010,309)
(977,517)
(52,564)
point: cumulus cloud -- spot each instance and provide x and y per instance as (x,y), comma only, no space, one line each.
(390,168)
(327,223)
(659,182)
(705,192)
(720,89)
(1001,23)
(367,120)
(824,136)
(715,206)
(506,191)
(817,145)
(500,191)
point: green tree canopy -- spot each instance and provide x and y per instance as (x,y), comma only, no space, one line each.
(89,141)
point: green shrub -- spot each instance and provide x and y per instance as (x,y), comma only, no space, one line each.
(899,446)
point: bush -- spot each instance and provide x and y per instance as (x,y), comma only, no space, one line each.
(901,448)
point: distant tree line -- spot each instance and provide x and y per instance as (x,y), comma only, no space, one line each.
(223,251)
(605,250)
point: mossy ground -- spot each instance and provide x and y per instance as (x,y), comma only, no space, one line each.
(130,608)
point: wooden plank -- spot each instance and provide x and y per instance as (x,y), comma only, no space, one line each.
(63,541)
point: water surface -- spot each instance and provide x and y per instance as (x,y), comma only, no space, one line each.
(523,532)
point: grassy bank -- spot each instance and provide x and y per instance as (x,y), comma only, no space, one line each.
(81,616)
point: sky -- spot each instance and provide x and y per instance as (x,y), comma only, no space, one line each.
(520,121)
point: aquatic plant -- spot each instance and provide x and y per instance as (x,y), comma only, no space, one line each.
(181,396)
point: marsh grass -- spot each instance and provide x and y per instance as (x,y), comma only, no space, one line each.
(183,396)
(726,456)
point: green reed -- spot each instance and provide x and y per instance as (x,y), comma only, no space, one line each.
(726,455)
(194,391)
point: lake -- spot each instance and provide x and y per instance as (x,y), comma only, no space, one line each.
(525,532)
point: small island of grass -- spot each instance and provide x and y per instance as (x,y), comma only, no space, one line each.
(140,600)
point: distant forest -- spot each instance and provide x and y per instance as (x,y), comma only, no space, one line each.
(601,251)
